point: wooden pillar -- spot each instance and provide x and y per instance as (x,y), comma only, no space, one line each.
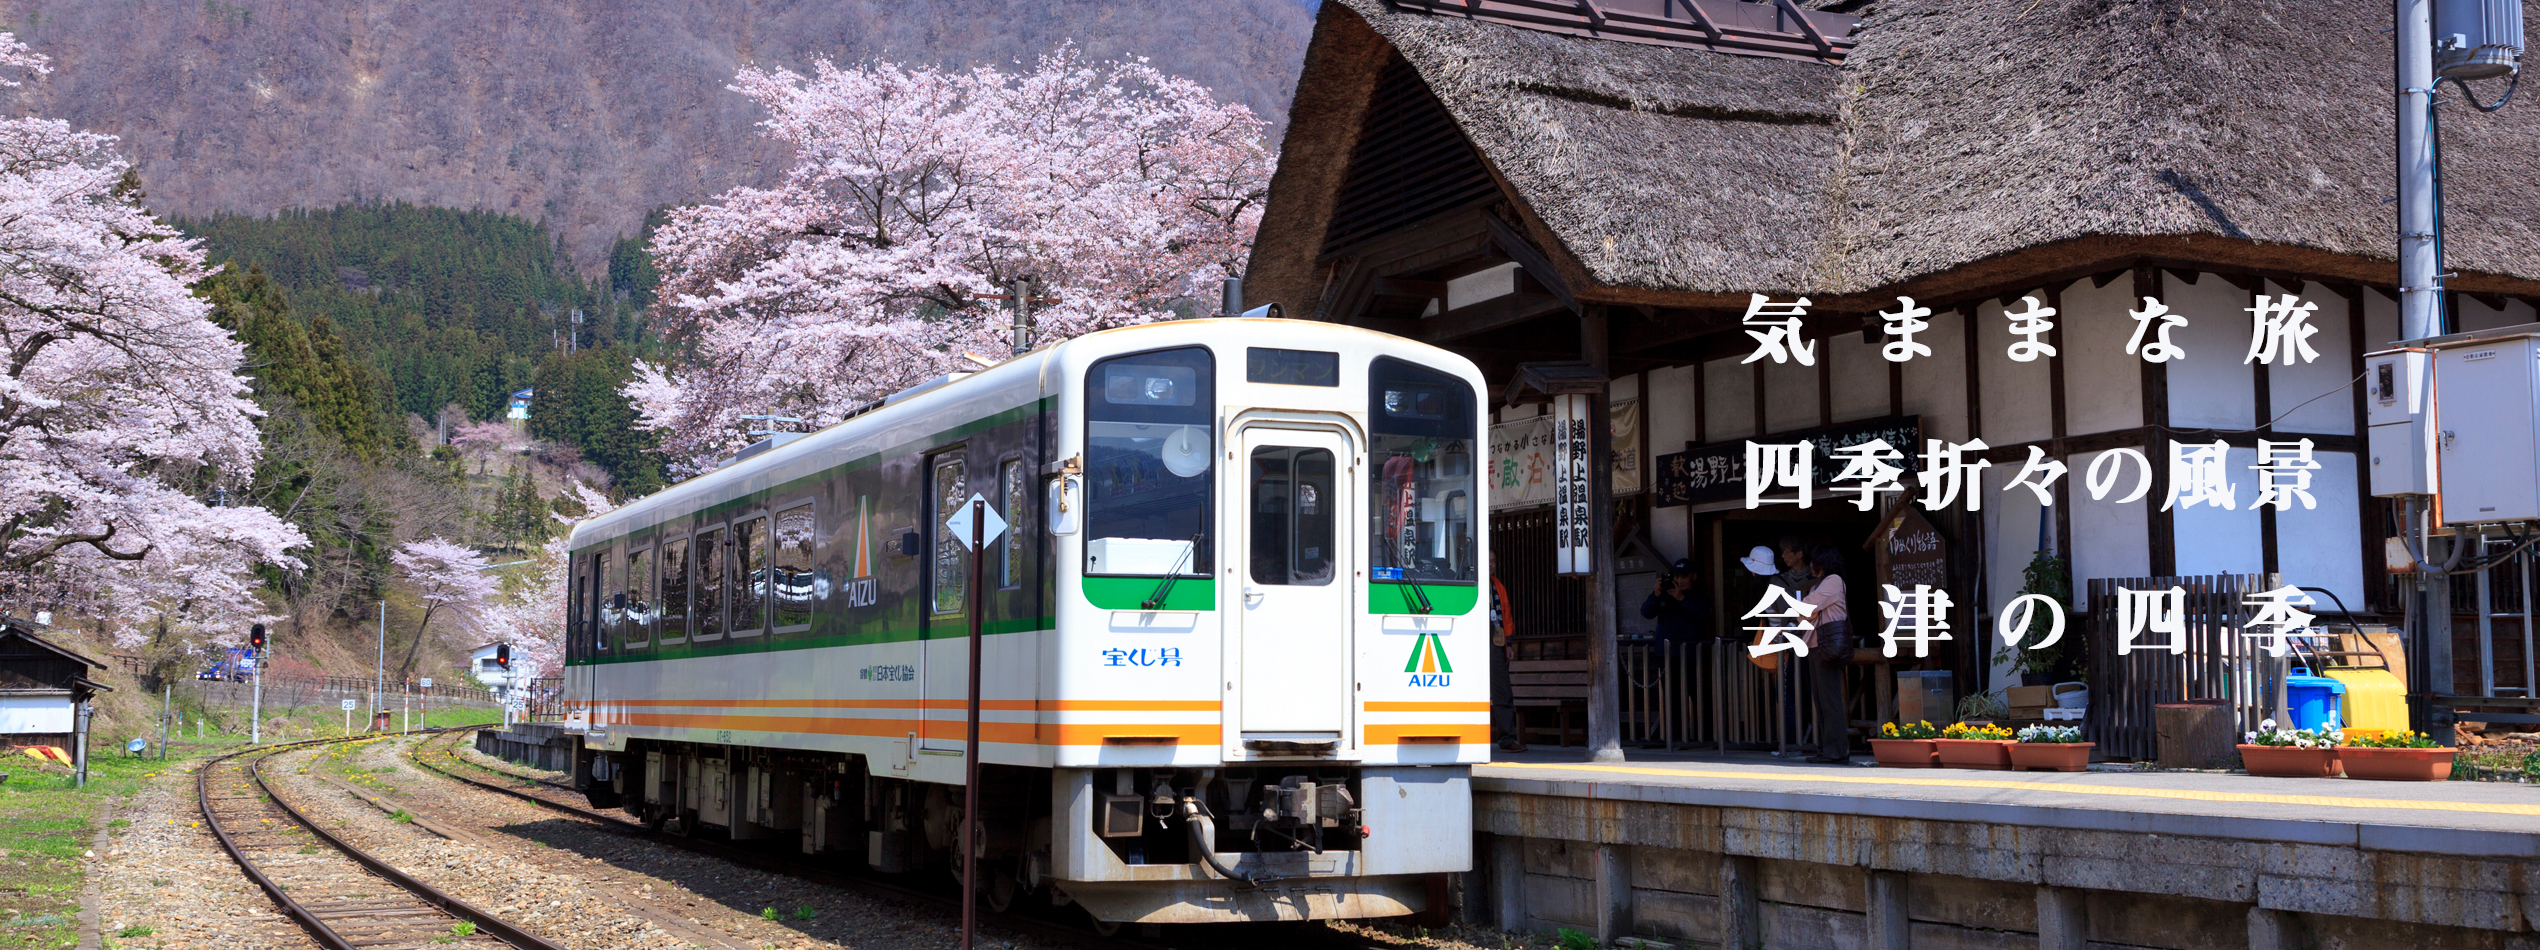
(2063,920)
(1888,927)
(1741,904)
(1613,892)
(1605,727)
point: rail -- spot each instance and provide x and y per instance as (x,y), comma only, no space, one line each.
(420,921)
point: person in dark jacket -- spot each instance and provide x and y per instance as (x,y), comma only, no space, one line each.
(1680,605)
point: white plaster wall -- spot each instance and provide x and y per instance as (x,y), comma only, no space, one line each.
(2018,405)
(1728,400)
(1790,393)
(1859,377)
(1936,385)
(2217,541)
(2109,539)
(2479,316)
(2010,534)
(2323,547)
(2210,388)
(2103,387)
(2327,383)
(1669,413)
(2381,320)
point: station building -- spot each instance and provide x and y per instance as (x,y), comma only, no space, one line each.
(1612,181)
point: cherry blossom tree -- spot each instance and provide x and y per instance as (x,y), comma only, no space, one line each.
(121,407)
(915,190)
(447,579)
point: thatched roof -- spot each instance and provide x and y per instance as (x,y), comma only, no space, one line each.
(2012,134)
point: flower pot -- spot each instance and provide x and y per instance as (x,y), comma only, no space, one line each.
(2050,756)
(2396,765)
(1975,753)
(2287,761)
(1905,753)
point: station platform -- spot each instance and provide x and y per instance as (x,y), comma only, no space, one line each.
(1752,851)
(2462,818)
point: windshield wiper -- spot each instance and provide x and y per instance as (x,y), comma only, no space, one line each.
(1163,590)
(1419,598)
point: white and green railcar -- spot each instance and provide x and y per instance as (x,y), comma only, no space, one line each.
(1235,639)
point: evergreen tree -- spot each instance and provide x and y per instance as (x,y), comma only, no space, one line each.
(578,402)
(304,367)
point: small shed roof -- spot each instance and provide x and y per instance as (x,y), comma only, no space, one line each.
(16,637)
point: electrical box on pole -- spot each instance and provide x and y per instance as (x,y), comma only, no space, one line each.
(2399,410)
(2477,39)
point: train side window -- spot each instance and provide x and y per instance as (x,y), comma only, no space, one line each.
(639,599)
(674,591)
(612,580)
(1017,503)
(709,556)
(749,577)
(795,579)
(948,572)
(574,599)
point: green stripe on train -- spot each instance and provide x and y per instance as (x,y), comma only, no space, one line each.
(953,630)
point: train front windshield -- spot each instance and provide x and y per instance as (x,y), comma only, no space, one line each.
(1420,423)
(1149,458)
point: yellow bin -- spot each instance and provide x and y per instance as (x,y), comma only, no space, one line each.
(2375,702)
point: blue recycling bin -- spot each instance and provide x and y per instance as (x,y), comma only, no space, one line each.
(2312,700)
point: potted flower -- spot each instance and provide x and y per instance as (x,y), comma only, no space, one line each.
(1909,746)
(2300,753)
(2396,757)
(1975,746)
(2050,749)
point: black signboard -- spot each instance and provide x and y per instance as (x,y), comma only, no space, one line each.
(1703,474)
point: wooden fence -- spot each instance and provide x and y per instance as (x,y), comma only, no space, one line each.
(2219,662)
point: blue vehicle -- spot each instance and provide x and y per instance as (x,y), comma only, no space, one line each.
(237,665)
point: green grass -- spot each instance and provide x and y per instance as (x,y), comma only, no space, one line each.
(45,825)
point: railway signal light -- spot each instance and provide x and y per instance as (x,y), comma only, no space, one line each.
(503,656)
(256,638)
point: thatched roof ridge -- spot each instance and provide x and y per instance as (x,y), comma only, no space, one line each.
(1969,132)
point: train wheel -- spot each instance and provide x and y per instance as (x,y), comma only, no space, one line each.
(1002,888)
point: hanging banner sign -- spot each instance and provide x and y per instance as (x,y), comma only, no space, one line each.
(1704,474)
(1624,422)
(1572,452)
(1521,463)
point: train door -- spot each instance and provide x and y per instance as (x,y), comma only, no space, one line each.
(1294,630)
(945,668)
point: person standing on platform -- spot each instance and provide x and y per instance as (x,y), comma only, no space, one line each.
(1680,606)
(1829,652)
(1503,697)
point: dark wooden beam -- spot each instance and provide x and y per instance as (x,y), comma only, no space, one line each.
(1483,317)
(1538,266)
(1405,287)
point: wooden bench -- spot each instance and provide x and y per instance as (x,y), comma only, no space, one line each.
(1559,684)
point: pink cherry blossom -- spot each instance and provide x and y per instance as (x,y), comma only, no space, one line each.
(450,582)
(121,405)
(915,190)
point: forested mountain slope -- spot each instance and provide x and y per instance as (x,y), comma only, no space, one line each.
(581,115)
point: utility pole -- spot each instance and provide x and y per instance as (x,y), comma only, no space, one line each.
(1021,292)
(256,651)
(167,700)
(2420,267)
(978,604)
(379,674)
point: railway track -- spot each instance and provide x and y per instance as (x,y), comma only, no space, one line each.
(344,897)
(562,798)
